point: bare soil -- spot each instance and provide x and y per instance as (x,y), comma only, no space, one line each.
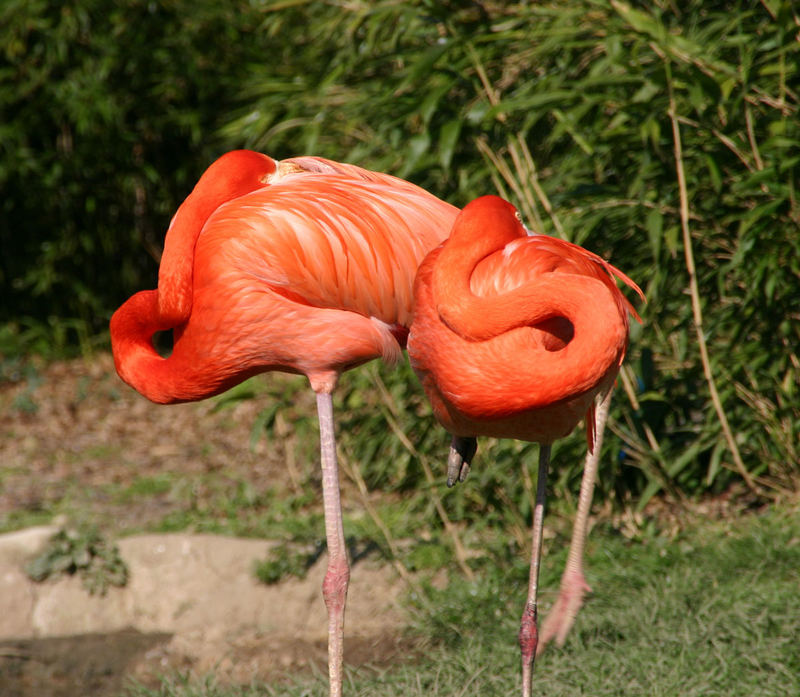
(72,437)
(72,429)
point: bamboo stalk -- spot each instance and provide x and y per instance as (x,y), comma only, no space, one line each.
(694,292)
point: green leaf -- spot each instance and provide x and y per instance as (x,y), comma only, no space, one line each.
(448,138)
(714,173)
(654,224)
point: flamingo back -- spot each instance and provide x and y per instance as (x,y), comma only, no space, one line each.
(326,241)
(530,257)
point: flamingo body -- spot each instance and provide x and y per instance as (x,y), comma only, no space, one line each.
(303,266)
(310,275)
(515,335)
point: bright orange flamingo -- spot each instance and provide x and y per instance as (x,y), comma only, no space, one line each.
(514,336)
(303,266)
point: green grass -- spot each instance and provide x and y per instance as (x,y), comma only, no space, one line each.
(710,612)
(146,486)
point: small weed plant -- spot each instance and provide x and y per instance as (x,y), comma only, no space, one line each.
(86,553)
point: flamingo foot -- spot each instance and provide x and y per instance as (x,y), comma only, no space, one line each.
(562,615)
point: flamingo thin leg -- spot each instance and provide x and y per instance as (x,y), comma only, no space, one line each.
(528,633)
(337,577)
(573,583)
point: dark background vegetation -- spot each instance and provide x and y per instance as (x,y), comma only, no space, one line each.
(110,111)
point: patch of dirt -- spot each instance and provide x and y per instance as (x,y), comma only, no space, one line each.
(73,428)
(101,665)
(73,432)
(87,664)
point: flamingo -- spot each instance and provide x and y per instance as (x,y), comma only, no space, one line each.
(303,266)
(514,336)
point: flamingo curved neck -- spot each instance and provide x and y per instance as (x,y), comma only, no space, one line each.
(474,237)
(177,378)
(553,368)
(234,174)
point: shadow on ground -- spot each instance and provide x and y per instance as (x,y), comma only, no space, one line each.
(73,666)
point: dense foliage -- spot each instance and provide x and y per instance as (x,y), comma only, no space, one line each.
(602,121)
(108,112)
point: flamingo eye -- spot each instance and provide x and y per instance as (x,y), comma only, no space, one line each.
(528,231)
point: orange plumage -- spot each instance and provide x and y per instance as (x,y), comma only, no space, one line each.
(310,272)
(305,266)
(515,335)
